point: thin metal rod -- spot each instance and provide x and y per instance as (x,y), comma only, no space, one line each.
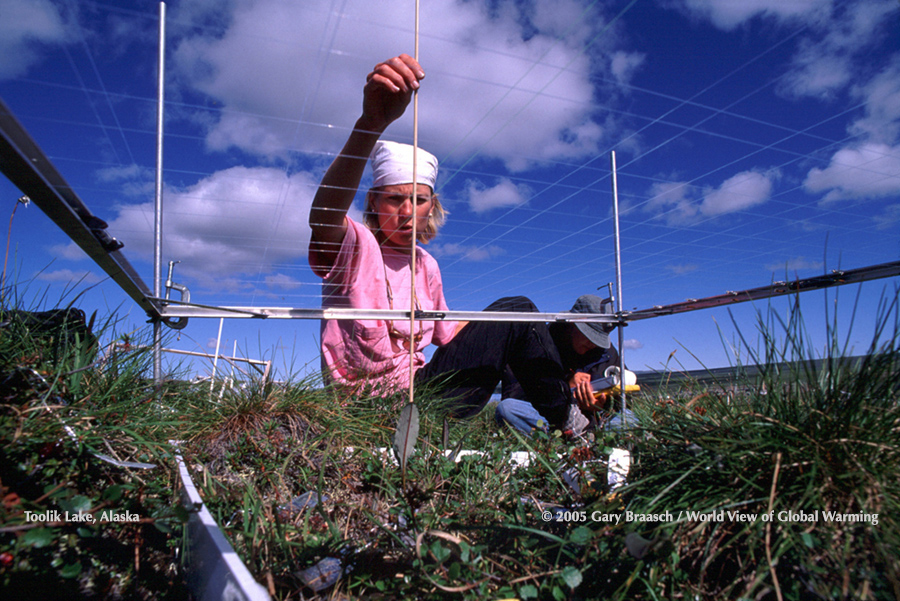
(415,214)
(253,362)
(619,304)
(157,220)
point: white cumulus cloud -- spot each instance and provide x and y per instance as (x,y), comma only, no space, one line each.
(829,55)
(737,193)
(624,64)
(505,194)
(882,98)
(672,202)
(633,344)
(290,76)
(869,171)
(833,54)
(239,220)
(729,14)
(282,281)
(26,27)
(680,203)
(470,252)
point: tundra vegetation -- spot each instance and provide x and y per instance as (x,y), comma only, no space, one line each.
(783,485)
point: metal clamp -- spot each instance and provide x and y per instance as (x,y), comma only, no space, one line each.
(181,322)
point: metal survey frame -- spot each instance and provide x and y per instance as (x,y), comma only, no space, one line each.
(27,167)
(177,312)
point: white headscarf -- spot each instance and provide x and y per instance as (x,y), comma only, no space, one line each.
(392,163)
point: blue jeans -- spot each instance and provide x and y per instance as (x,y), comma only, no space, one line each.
(522,416)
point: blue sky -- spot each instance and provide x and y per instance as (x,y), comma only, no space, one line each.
(755,140)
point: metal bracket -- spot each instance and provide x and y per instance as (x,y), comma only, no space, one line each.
(98,228)
(181,322)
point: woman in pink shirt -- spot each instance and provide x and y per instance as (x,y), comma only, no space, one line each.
(368,266)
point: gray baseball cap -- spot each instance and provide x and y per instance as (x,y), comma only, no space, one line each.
(598,333)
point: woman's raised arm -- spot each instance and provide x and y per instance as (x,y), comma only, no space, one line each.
(387,93)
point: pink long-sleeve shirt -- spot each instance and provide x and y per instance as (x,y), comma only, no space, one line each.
(363,349)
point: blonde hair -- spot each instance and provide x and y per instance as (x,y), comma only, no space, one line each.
(436,217)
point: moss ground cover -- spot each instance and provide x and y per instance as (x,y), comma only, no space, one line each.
(781,487)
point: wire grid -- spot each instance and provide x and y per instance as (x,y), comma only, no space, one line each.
(552,244)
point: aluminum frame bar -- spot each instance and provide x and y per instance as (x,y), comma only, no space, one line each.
(175,309)
(29,169)
(178,309)
(255,363)
(837,277)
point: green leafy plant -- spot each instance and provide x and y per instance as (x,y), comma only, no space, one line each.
(75,520)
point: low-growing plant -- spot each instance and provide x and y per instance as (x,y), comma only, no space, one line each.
(76,520)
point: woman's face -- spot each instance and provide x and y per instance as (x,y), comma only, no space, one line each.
(393,207)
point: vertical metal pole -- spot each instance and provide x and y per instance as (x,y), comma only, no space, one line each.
(157,221)
(619,305)
(212,378)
